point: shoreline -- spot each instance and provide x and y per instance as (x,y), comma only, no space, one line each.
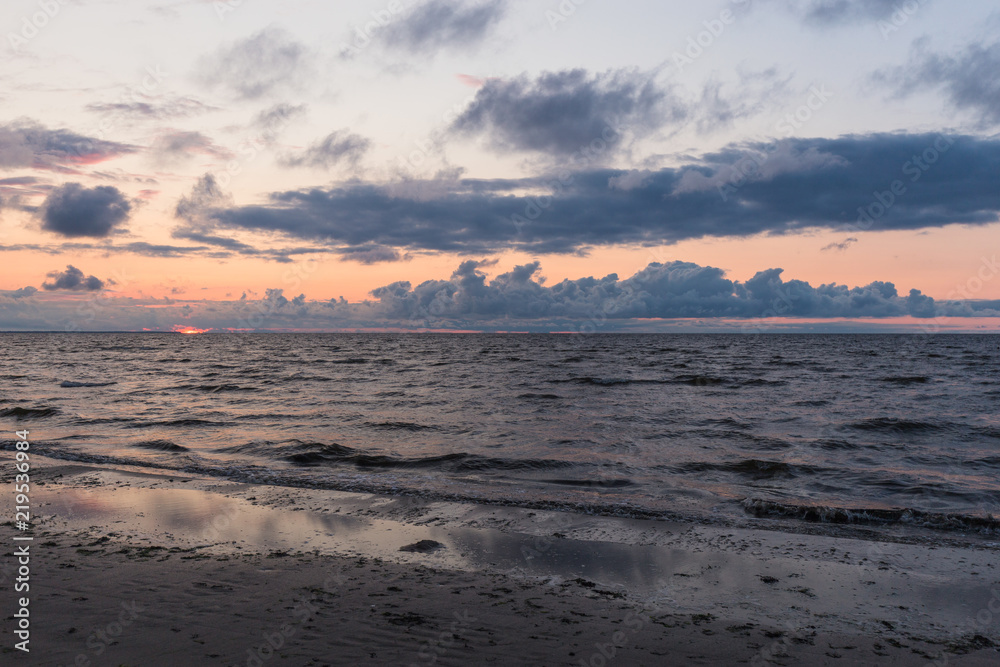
(543,586)
(885,522)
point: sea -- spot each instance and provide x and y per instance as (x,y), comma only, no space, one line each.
(881,432)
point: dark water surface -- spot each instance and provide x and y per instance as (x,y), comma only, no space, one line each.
(870,429)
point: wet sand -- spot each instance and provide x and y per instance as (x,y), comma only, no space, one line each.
(131,567)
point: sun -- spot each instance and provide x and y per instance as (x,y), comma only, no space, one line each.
(184,329)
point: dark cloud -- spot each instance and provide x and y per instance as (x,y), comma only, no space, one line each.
(443,24)
(158,250)
(205,196)
(136,248)
(22,293)
(178,145)
(73,279)
(24,143)
(153,108)
(661,295)
(73,210)
(843,183)
(336,148)
(968,78)
(370,254)
(671,290)
(218,241)
(258,65)
(830,12)
(562,113)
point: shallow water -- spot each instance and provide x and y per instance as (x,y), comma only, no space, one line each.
(873,429)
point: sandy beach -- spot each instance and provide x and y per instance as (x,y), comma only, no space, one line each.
(132,567)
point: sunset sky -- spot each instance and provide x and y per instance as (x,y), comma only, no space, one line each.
(543,165)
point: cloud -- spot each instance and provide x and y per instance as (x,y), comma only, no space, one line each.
(179,145)
(270,122)
(678,292)
(756,92)
(14,190)
(153,108)
(833,12)
(669,290)
(562,113)
(742,190)
(256,66)
(370,254)
(72,279)
(337,147)
(25,143)
(72,210)
(206,195)
(157,250)
(443,24)
(843,245)
(22,293)
(967,78)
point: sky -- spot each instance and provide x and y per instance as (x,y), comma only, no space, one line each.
(500,165)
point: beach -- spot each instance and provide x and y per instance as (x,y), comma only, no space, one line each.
(143,567)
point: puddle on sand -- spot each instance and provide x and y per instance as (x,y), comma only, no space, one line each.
(193,517)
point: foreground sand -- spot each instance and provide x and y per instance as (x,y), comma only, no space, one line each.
(135,568)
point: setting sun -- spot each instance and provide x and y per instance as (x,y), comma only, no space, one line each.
(181,328)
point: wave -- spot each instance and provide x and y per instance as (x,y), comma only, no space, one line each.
(699,380)
(160,445)
(893,424)
(214,388)
(69,383)
(603,382)
(757,469)
(914,379)
(873,516)
(177,423)
(28,413)
(599,483)
(399,426)
(316,453)
(546,397)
